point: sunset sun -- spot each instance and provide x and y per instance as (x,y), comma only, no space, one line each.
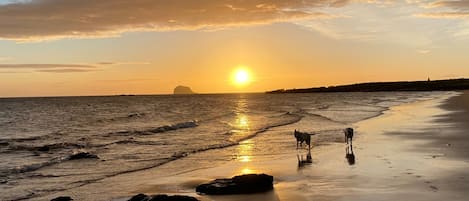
(241,77)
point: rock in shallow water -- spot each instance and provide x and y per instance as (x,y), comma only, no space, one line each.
(82,155)
(162,197)
(243,184)
(62,198)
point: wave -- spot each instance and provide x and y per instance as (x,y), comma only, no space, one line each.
(37,166)
(43,148)
(161,129)
(323,117)
(135,115)
(179,155)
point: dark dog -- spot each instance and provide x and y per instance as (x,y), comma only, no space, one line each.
(302,137)
(348,132)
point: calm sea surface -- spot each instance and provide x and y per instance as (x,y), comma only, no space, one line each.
(133,133)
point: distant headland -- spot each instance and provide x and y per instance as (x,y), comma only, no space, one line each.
(183,90)
(428,85)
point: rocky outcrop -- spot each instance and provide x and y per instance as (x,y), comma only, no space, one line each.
(162,197)
(243,184)
(82,155)
(183,90)
(62,198)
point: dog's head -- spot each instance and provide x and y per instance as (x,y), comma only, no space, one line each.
(296,133)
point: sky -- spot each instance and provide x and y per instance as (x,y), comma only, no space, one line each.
(102,47)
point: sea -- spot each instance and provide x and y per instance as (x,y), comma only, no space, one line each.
(40,138)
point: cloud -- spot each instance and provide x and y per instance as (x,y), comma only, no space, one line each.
(62,68)
(112,63)
(44,66)
(455,4)
(130,80)
(423,51)
(444,15)
(49,68)
(49,19)
(5,58)
(447,9)
(65,70)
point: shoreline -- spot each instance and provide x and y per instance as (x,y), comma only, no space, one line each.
(291,182)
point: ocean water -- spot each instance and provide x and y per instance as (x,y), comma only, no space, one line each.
(135,133)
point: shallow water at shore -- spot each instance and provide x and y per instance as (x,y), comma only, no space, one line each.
(133,134)
(386,165)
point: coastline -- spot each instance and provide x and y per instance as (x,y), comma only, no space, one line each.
(387,165)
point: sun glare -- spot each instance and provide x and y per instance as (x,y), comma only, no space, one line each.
(241,77)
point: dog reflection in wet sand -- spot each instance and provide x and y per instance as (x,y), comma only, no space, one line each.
(302,162)
(349,155)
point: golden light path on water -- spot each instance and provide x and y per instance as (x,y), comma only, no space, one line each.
(245,148)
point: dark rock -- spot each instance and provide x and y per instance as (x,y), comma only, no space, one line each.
(49,147)
(62,198)
(140,197)
(82,155)
(44,148)
(162,197)
(173,198)
(243,184)
(183,90)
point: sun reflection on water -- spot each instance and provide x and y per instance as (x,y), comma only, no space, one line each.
(245,151)
(244,158)
(247,171)
(242,122)
(241,126)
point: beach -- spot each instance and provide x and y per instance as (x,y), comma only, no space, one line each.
(413,151)
(299,100)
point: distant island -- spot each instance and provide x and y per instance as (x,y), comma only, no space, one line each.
(436,85)
(183,90)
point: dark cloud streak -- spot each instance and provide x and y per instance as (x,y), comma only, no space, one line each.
(65,70)
(44,66)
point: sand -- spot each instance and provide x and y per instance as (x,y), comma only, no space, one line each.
(417,151)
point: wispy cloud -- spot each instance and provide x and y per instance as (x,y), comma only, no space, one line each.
(49,68)
(5,59)
(423,51)
(445,9)
(130,80)
(455,4)
(62,68)
(49,19)
(112,63)
(45,66)
(65,70)
(444,15)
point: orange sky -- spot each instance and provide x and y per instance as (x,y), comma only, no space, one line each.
(56,48)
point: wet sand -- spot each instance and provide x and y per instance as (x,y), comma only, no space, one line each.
(416,151)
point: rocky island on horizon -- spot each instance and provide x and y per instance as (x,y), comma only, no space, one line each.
(182,90)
